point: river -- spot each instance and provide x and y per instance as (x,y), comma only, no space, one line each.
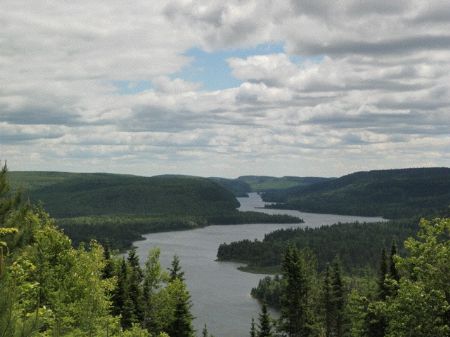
(220,292)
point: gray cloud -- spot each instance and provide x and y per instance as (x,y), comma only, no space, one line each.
(359,85)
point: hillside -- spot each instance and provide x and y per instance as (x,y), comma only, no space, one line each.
(119,208)
(246,184)
(98,194)
(238,187)
(398,193)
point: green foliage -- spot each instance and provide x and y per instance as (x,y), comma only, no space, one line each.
(334,301)
(269,290)
(181,326)
(175,271)
(393,194)
(298,298)
(356,244)
(264,326)
(237,187)
(118,209)
(421,306)
(265,183)
(253,332)
(112,194)
(382,275)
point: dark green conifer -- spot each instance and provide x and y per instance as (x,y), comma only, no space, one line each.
(121,301)
(296,316)
(382,273)
(135,286)
(327,303)
(265,327)
(393,272)
(182,323)
(108,270)
(205,332)
(175,271)
(253,332)
(337,300)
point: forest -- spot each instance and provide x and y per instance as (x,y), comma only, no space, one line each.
(48,287)
(357,245)
(118,209)
(393,194)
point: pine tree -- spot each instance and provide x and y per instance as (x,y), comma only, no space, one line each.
(253,332)
(175,270)
(393,272)
(296,316)
(382,288)
(265,327)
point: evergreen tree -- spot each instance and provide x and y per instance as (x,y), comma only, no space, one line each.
(153,278)
(134,285)
(265,327)
(253,332)
(376,318)
(7,202)
(205,331)
(182,322)
(175,270)
(296,316)
(382,273)
(327,303)
(337,300)
(393,272)
(108,270)
(122,303)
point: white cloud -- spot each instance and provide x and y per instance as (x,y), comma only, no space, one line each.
(360,85)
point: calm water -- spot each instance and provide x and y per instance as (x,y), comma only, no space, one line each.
(221,293)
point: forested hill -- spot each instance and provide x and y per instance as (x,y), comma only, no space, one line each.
(118,208)
(79,194)
(398,193)
(246,184)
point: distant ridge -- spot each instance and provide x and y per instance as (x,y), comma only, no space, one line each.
(84,194)
(396,193)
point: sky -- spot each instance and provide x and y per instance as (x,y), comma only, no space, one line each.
(224,88)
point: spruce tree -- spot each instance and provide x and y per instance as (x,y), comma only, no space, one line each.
(253,332)
(175,269)
(327,303)
(205,331)
(296,316)
(337,300)
(393,272)
(181,325)
(108,269)
(135,285)
(382,273)
(121,301)
(265,327)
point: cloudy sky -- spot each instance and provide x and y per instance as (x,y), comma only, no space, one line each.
(224,88)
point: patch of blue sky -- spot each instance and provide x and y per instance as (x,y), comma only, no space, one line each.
(211,68)
(132,87)
(212,71)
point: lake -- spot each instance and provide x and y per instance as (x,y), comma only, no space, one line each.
(220,292)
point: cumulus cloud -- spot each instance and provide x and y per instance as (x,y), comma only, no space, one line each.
(358,85)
